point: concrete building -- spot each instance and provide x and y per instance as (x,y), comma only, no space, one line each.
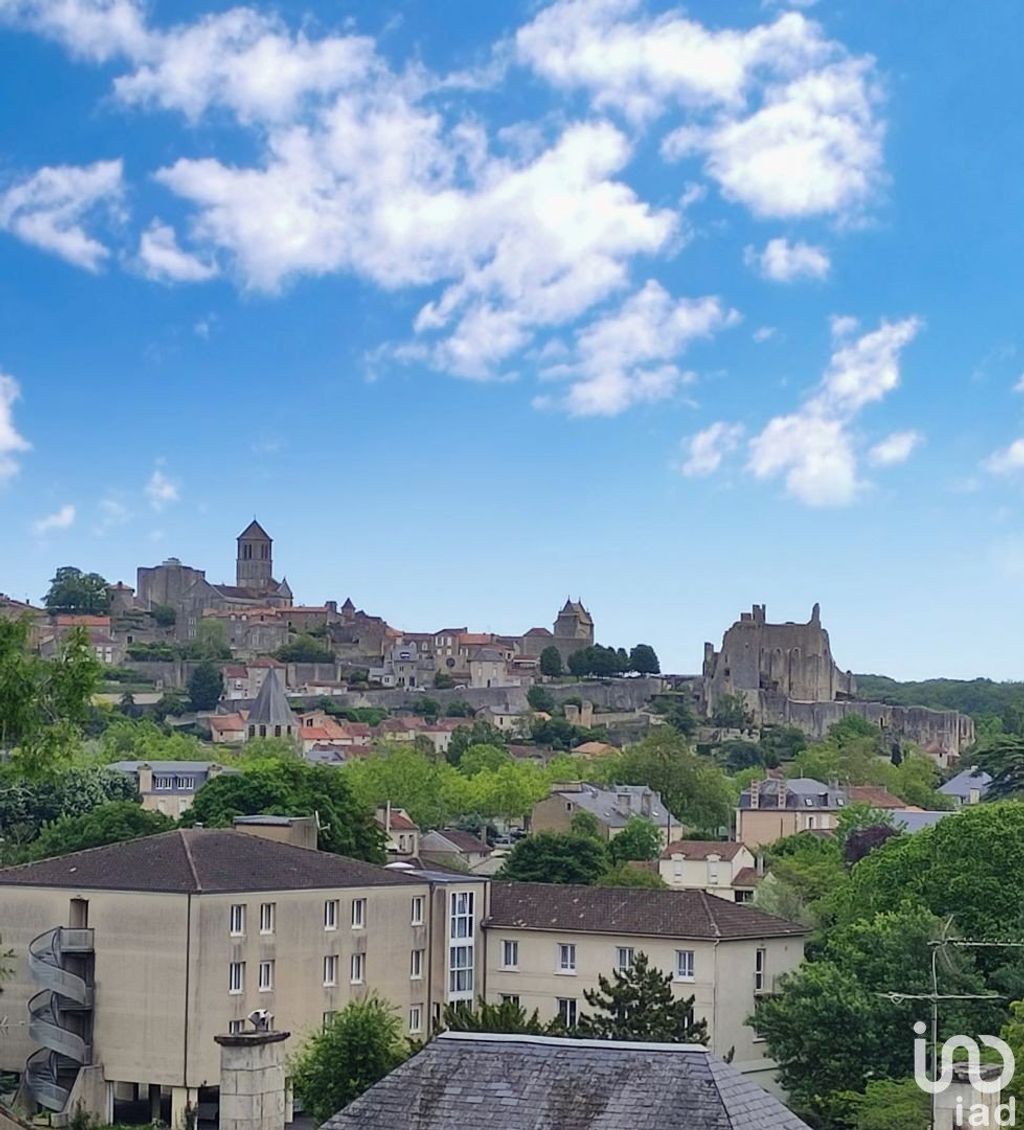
(726,869)
(548,943)
(513,1082)
(169,787)
(613,808)
(131,958)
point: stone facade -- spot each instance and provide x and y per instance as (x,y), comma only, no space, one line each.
(787,676)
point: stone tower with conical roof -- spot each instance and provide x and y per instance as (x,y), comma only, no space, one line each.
(254,566)
(271,716)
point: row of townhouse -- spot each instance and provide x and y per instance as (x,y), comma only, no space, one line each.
(129,959)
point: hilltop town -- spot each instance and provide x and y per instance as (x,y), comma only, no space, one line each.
(551,808)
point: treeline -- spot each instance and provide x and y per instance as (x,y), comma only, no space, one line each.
(997,706)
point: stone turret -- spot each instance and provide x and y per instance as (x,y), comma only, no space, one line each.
(271,716)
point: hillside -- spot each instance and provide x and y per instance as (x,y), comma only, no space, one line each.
(981,698)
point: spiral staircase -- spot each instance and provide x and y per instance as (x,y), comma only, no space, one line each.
(60,1015)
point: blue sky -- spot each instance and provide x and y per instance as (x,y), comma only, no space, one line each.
(477,305)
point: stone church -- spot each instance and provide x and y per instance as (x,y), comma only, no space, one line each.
(189,593)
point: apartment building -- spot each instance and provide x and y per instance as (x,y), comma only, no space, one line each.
(548,943)
(723,868)
(130,958)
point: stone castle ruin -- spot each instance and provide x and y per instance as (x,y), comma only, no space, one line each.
(786,675)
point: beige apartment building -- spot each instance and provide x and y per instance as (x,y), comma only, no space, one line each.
(723,868)
(130,959)
(548,943)
(773,809)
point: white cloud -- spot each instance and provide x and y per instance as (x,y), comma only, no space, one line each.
(61,519)
(782,261)
(1019,385)
(164,260)
(50,208)
(763,334)
(161,490)
(629,356)
(1007,460)
(12,443)
(112,514)
(895,448)
(97,30)
(709,447)
(784,119)
(812,449)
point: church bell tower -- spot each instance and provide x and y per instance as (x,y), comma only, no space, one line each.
(254,566)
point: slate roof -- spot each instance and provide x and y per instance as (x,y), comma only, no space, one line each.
(614,806)
(271,707)
(508,1082)
(630,910)
(916,820)
(961,785)
(255,530)
(197,860)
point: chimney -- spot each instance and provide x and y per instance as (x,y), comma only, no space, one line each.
(145,778)
(759,864)
(645,803)
(253,1092)
(755,794)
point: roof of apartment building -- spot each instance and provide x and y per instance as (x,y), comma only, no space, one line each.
(458,838)
(875,795)
(630,910)
(527,1081)
(796,792)
(200,861)
(701,849)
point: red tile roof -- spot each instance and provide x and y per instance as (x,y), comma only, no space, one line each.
(701,849)
(874,795)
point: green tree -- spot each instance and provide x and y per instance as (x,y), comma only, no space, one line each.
(292,788)
(43,703)
(627,875)
(305,649)
(479,733)
(675,709)
(73,591)
(638,1004)
(551,662)
(211,641)
(459,708)
(164,615)
(584,823)
(639,840)
(856,817)
(556,857)
(888,1104)
(356,1049)
(433,792)
(479,757)
(205,686)
(540,698)
(644,660)
(1003,758)
(107,824)
(732,713)
(443,681)
(426,707)
(694,789)
(508,1017)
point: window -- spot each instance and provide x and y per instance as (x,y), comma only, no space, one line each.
(509,955)
(416,1018)
(510,998)
(567,1011)
(744,896)
(186,784)
(267,917)
(417,910)
(237,921)
(760,970)
(331,969)
(331,914)
(624,958)
(684,965)
(162,784)
(235,1027)
(677,868)
(266,976)
(566,959)
(462,914)
(416,965)
(358,968)
(460,969)
(328,1018)
(236,977)
(712,872)
(358,913)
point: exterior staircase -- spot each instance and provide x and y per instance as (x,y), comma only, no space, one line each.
(60,1015)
